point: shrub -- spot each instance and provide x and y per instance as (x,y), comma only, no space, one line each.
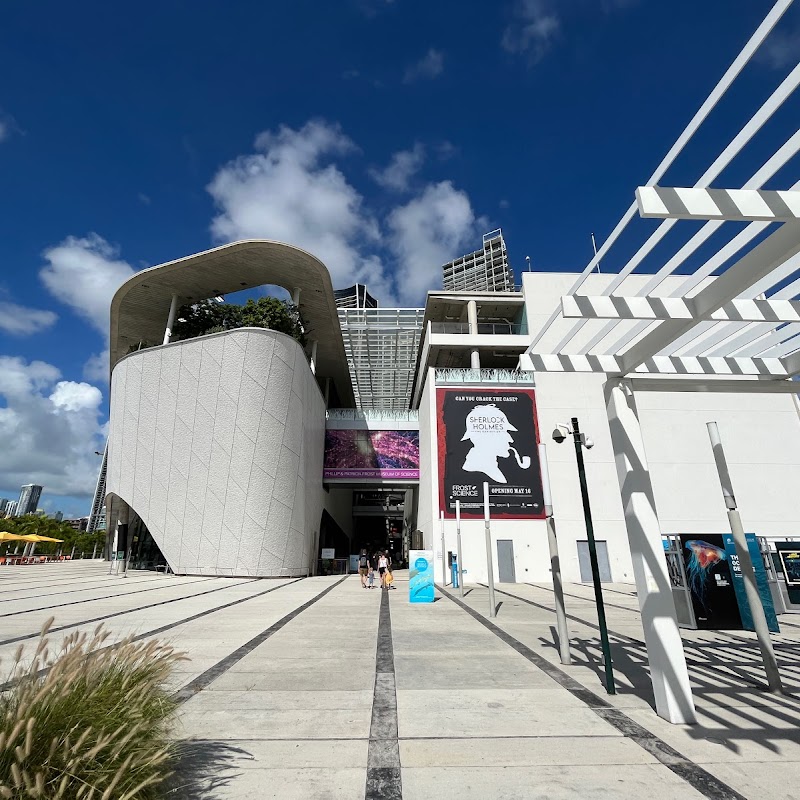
(90,722)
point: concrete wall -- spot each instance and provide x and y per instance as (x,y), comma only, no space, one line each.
(217,444)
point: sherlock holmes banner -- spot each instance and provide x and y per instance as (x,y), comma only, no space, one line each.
(489,435)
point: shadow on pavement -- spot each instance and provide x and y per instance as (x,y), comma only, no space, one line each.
(203,767)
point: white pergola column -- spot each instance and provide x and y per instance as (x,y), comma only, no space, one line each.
(668,671)
(173,307)
(472,317)
(296,298)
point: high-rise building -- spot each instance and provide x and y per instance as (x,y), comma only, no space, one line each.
(485,270)
(58,516)
(28,499)
(11,509)
(3,506)
(354,297)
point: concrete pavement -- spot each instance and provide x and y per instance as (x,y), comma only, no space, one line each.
(291,691)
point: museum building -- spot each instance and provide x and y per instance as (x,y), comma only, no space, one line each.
(245,453)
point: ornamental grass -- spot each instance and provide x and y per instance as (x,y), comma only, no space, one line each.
(89,722)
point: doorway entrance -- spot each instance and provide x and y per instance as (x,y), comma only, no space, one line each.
(602,562)
(505,561)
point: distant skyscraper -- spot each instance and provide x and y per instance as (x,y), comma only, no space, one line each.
(58,516)
(485,270)
(354,297)
(11,508)
(28,499)
(3,506)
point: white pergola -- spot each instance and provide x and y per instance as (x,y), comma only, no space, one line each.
(713,299)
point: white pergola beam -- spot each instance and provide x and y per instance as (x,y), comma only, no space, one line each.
(662,365)
(759,262)
(653,308)
(730,205)
(708,384)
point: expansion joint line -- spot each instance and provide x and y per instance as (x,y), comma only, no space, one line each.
(383,756)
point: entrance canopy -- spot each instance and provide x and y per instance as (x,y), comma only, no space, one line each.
(704,281)
(140,308)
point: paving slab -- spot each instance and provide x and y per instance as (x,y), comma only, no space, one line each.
(620,782)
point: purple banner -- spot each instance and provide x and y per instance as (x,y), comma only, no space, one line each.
(371,455)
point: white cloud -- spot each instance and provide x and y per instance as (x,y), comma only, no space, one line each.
(20,321)
(291,192)
(533,30)
(84,273)
(430,66)
(428,231)
(780,49)
(71,396)
(402,166)
(97,366)
(49,428)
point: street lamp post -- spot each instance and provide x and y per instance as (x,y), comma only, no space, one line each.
(581,441)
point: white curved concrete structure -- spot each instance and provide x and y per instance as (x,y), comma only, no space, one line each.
(217,444)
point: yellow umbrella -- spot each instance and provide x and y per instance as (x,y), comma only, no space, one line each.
(5,536)
(34,537)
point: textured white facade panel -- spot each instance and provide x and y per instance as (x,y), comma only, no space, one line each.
(217,444)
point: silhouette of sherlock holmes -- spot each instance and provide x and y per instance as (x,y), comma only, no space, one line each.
(487,427)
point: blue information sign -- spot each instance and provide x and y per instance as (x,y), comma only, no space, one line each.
(420,576)
(761,580)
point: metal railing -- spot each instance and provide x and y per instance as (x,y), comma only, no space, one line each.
(373,415)
(484,328)
(462,376)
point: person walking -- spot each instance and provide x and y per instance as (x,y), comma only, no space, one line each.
(363,567)
(383,566)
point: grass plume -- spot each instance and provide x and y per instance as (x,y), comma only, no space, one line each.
(87,722)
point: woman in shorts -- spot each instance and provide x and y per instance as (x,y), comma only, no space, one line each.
(383,566)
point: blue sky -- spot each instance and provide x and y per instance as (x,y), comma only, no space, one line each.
(383,135)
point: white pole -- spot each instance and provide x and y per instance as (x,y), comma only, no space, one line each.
(594,247)
(745,563)
(444,560)
(314,357)
(489,570)
(555,562)
(173,307)
(458,548)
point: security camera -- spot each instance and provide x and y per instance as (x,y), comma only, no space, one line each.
(558,435)
(588,443)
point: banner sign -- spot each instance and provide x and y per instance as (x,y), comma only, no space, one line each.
(708,572)
(371,455)
(789,555)
(761,581)
(489,435)
(420,576)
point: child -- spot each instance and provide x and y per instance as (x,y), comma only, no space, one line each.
(371,578)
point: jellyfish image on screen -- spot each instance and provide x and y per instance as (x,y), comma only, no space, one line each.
(703,557)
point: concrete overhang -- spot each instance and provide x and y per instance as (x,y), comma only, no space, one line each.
(140,307)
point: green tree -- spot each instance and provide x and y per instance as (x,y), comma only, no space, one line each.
(204,317)
(209,316)
(275,314)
